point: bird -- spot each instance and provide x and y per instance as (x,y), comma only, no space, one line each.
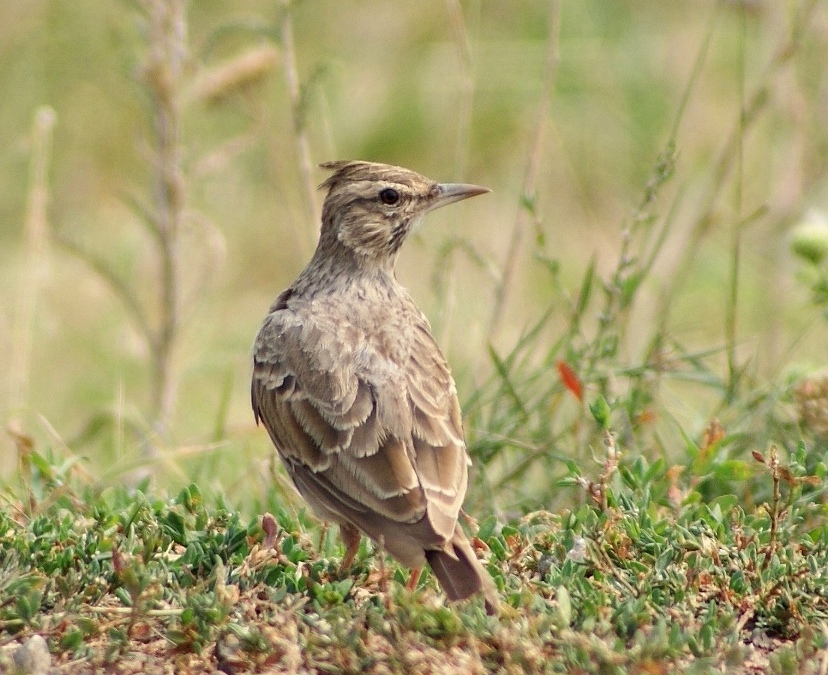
(354,391)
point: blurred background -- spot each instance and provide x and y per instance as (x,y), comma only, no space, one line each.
(648,162)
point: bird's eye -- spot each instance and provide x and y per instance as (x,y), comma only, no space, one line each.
(389,196)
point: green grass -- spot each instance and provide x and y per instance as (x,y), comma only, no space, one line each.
(644,576)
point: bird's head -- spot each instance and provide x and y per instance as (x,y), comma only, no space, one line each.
(370,208)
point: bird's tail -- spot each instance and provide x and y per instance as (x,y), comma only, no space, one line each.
(461,575)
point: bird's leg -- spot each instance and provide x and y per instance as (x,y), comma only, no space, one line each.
(414,579)
(350,537)
(383,575)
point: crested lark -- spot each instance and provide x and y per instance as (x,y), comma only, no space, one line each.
(354,391)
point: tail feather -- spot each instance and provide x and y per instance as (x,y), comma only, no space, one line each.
(460,573)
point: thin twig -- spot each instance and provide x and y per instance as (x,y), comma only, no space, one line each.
(130,610)
(300,136)
(773,511)
(528,193)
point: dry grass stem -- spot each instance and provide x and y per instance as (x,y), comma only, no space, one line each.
(300,136)
(750,111)
(465,101)
(120,287)
(243,70)
(36,229)
(527,213)
(162,76)
(732,300)
(465,98)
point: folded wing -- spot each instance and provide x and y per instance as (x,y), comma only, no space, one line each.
(371,435)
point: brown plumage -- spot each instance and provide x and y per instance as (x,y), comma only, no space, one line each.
(354,391)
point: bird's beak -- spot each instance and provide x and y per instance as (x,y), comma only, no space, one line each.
(448,193)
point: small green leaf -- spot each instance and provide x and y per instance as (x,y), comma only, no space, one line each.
(601,412)
(487,528)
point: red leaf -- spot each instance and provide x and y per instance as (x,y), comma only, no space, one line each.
(645,417)
(570,380)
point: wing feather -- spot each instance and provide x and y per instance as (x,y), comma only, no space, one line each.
(368,437)
(328,437)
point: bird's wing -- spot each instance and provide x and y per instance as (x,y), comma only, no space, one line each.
(437,429)
(368,432)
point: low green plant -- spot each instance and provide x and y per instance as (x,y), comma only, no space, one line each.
(645,573)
